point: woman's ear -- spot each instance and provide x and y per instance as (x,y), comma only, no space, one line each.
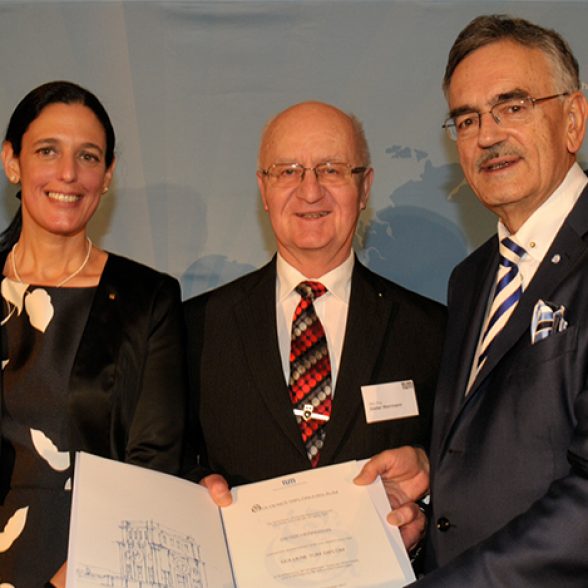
(108,177)
(10,163)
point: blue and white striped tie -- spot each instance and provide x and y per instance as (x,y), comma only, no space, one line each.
(509,288)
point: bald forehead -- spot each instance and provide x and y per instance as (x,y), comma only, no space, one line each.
(309,111)
(302,124)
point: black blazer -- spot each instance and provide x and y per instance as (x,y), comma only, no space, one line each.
(127,391)
(246,430)
(509,462)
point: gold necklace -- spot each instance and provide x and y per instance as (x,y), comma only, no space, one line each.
(65,280)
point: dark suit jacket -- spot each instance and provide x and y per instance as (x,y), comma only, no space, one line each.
(127,391)
(510,462)
(246,429)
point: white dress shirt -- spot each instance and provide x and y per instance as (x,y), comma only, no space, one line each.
(537,234)
(539,230)
(331,309)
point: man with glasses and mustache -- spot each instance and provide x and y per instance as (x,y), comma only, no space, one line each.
(509,450)
(279,357)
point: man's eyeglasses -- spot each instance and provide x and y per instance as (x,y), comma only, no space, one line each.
(506,113)
(327,174)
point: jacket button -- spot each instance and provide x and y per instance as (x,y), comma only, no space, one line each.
(443,524)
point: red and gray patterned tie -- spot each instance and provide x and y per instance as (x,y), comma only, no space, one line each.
(310,371)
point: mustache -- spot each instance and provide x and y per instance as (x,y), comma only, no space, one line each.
(495,153)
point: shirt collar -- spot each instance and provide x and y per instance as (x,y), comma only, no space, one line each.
(539,230)
(337,281)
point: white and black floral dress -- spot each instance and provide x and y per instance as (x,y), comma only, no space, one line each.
(42,328)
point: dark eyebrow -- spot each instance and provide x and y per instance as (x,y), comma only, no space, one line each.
(512,94)
(49,140)
(91,145)
(516,93)
(54,141)
(462,110)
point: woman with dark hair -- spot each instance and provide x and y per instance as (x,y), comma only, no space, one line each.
(91,342)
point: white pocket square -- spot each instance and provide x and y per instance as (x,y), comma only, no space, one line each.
(548,318)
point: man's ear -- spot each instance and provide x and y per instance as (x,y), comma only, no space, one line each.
(577,111)
(262,190)
(366,186)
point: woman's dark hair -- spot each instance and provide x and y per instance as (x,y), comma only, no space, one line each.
(28,109)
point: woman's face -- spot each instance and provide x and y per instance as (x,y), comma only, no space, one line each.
(61,168)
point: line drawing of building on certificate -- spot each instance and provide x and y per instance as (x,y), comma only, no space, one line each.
(150,556)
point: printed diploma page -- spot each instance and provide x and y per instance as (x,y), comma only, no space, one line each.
(137,528)
(312,529)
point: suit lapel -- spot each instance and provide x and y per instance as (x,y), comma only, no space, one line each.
(483,277)
(100,343)
(370,309)
(464,330)
(558,262)
(256,323)
(97,355)
(561,258)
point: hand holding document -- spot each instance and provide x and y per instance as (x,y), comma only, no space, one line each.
(404,473)
(313,528)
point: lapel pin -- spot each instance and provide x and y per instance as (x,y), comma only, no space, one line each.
(556,258)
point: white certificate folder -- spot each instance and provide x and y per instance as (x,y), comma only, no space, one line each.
(134,527)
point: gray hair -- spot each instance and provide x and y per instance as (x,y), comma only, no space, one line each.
(360,141)
(485,30)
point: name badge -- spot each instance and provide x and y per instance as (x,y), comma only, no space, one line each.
(393,400)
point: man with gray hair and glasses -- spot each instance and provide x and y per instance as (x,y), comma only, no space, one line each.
(288,362)
(509,450)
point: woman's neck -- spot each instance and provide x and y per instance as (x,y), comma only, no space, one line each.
(55,261)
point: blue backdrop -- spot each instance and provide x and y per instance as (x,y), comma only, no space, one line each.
(189,86)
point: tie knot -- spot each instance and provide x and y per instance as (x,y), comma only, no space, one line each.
(310,290)
(510,252)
